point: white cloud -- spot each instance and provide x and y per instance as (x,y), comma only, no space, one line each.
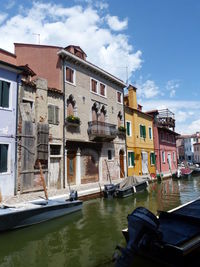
(3,16)
(172,86)
(115,24)
(147,89)
(61,26)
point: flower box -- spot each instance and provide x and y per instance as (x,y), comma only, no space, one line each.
(72,121)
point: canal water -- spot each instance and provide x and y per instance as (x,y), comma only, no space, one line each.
(88,238)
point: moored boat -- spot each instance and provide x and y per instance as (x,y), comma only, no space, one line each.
(26,214)
(172,239)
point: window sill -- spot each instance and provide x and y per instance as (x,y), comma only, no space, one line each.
(6,109)
(130,167)
(73,84)
(119,103)
(5,173)
(98,94)
(55,156)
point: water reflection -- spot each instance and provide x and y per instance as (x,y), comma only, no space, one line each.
(88,238)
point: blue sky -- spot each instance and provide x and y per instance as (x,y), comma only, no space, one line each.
(157,41)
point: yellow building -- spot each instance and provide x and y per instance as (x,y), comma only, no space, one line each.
(139,136)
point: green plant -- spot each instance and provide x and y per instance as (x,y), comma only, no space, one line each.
(122,129)
(73,119)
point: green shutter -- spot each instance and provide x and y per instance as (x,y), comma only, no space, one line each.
(144,131)
(141,130)
(4,94)
(56,115)
(150,133)
(3,158)
(128,128)
(132,158)
(153,158)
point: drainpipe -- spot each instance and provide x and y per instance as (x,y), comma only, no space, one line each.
(125,136)
(16,129)
(64,117)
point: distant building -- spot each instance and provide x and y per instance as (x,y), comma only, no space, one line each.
(197,153)
(140,145)
(164,141)
(187,143)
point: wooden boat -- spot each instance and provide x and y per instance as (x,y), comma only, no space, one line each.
(172,239)
(12,217)
(195,171)
(127,187)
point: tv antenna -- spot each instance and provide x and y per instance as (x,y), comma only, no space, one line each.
(38,35)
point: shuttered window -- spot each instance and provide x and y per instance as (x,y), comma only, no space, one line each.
(152,158)
(4,94)
(94,86)
(119,97)
(3,158)
(142,131)
(131,159)
(128,128)
(150,133)
(102,89)
(69,75)
(53,114)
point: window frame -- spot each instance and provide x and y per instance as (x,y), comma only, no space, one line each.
(163,158)
(152,153)
(56,155)
(9,96)
(121,97)
(143,127)
(105,89)
(98,87)
(8,159)
(150,129)
(130,128)
(74,75)
(96,93)
(174,156)
(131,165)
(110,150)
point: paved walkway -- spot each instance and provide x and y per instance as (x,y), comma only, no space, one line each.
(83,190)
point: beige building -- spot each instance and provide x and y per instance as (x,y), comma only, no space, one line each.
(82,105)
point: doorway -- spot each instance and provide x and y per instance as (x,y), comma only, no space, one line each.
(121,163)
(71,167)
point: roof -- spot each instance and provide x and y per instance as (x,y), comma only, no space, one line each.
(7,52)
(11,67)
(37,45)
(63,53)
(139,111)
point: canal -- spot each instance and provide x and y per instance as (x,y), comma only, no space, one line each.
(88,238)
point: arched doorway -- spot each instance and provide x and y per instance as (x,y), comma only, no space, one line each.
(121,163)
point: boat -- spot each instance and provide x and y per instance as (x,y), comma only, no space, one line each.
(129,186)
(183,172)
(26,214)
(171,239)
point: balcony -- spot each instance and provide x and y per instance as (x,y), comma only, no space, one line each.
(101,131)
(165,118)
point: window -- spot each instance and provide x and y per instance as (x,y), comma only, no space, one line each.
(163,156)
(70,75)
(142,131)
(55,150)
(152,158)
(94,86)
(102,89)
(3,158)
(174,156)
(131,159)
(119,97)
(150,133)
(28,102)
(128,128)
(53,114)
(4,94)
(109,154)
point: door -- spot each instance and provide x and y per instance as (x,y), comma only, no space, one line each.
(54,173)
(121,163)
(145,163)
(71,168)
(169,160)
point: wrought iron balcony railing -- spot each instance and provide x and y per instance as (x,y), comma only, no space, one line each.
(101,131)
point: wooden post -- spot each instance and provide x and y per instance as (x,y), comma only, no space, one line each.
(43,181)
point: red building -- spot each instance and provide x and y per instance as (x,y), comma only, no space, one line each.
(164,142)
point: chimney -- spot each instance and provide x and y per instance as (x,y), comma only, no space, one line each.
(132,97)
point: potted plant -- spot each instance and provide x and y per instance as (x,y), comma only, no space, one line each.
(121,131)
(73,120)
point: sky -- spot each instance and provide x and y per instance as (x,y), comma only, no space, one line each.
(152,44)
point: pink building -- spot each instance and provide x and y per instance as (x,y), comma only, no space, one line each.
(164,142)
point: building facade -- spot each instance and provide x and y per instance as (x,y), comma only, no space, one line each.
(9,83)
(164,142)
(197,153)
(85,109)
(140,145)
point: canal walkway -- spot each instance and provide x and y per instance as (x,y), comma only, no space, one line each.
(84,191)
